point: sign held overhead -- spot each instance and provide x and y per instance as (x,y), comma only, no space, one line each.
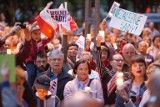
(125,20)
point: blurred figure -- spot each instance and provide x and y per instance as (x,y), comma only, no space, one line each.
(154,31)
(147,39)
(146,32)
(142,49)
(81,99)
(56,44)
(153,50)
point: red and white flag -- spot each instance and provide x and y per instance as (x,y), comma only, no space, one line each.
(111,84)
(47,24)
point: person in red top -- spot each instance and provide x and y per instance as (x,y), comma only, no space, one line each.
(37,45)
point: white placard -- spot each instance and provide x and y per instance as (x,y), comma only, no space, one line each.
(53,86)
(81,42)
(60,15)
(111,11)
(125,20)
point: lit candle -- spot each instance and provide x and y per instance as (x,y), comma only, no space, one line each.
(89,36)
(119,84)
(119,81)
(9,51)
(101,33)
(120,74)
(87,89)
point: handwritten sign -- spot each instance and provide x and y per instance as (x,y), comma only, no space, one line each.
(128,21)
(111,11)
(59,15)
(80,42)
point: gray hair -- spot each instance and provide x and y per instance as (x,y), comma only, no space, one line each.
(142,42)
(55,53)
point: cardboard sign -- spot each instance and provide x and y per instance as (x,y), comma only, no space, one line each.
(111,11)
(60,15)
(7,65)
(125,20)
(81,42)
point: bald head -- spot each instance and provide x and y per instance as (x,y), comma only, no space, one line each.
(128,51)
(81,99)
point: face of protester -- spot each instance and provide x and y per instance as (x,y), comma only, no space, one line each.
(119,42)
(117,62)
(138,69)
(36,35)
(156,41)
(82,71)
(56,44)
(41,63)
(143,48)
(104,55)
(128,52)
(72,51)
(15,40)
(42,93)
(56,63)
(147,39)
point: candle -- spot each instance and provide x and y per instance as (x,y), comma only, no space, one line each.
(89,36)
(101,33)
(87,89)
(120,74)
(119,83)
(9,51)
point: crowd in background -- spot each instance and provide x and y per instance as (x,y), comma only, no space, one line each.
(50,73)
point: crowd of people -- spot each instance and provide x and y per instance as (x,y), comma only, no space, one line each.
(53,73)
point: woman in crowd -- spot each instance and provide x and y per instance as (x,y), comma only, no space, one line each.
(134,87)
(83,83)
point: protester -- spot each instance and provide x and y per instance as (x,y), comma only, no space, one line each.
(44,96)
(135,87)
(82,81)
(57,74)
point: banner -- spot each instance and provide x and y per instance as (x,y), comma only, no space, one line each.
(60,15)
(125,20)
(111,11)
(7,66)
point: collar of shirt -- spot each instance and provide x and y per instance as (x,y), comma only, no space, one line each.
(53,75)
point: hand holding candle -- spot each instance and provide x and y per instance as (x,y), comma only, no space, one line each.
(89,36)
(101,33)
(87,89)
(9,51)
(120,81)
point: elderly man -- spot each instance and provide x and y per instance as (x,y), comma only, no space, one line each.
(128,51)
(142,49)
(58,76)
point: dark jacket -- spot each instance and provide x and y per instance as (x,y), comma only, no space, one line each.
(37,47)
(63,78)
(29,96)
(23,53)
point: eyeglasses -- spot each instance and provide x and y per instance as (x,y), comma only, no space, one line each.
(119,60)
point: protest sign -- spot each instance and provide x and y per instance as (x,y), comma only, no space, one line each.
(53,86)
(80,42)
(125,20)
(111,11)
(60,15)
(7,65)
